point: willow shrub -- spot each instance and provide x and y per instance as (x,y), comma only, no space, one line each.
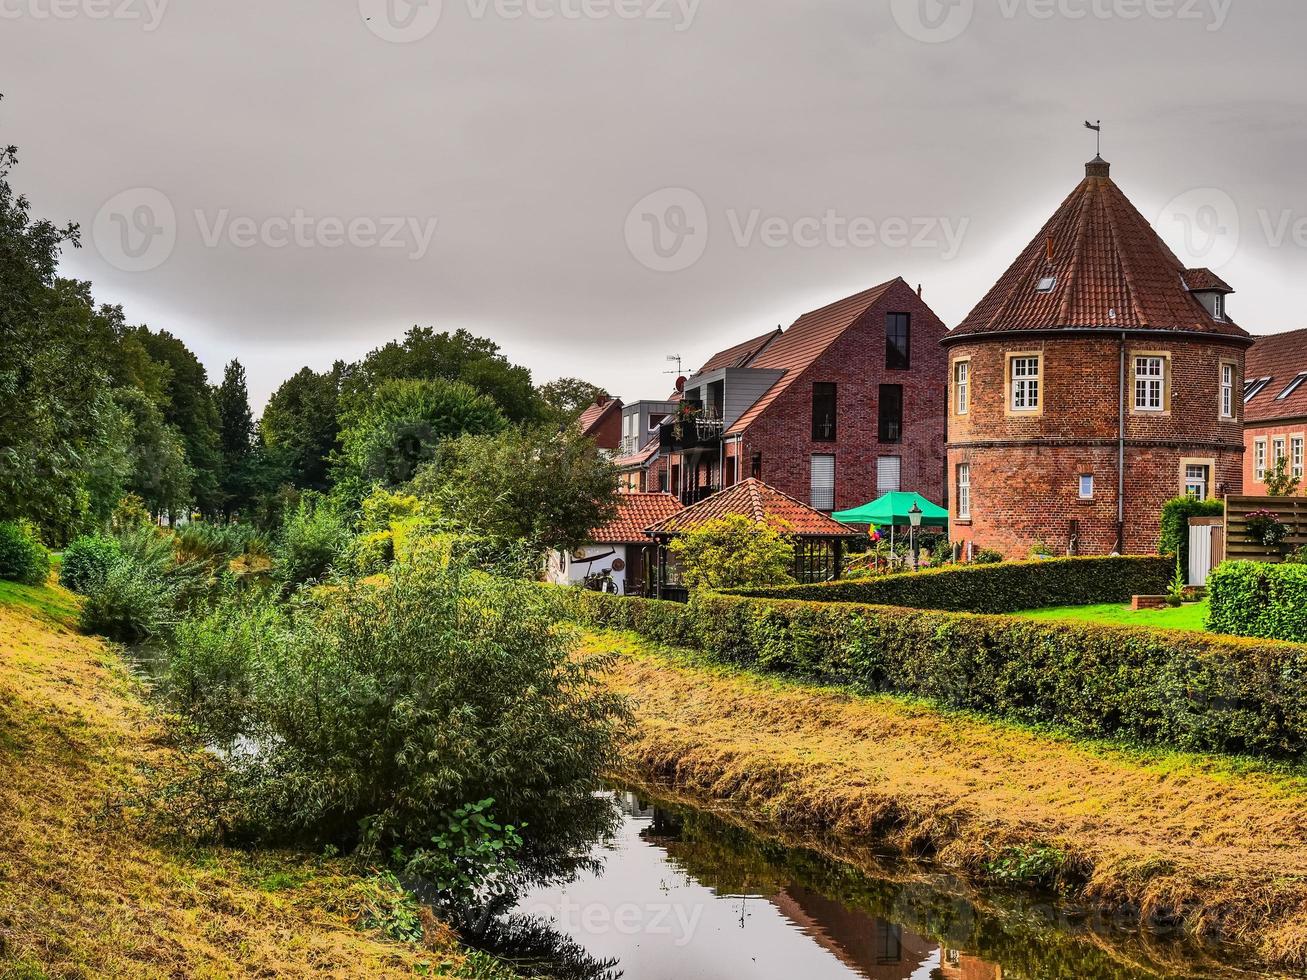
(1184,690)
(366,714)
(22,556)
(1256,599)
(996,588)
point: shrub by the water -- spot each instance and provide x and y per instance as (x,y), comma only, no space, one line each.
(1257,599)
(381,709)
(313,537)
(22,556)
(129,603)
(87,560)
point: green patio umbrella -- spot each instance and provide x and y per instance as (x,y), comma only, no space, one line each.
(893,509)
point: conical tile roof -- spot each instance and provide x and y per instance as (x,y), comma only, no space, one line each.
(1103,268)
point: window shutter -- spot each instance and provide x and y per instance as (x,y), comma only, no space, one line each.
(823,483)
(889,474)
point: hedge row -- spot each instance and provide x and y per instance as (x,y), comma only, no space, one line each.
(1256,599)
(1187,691)
(994,589)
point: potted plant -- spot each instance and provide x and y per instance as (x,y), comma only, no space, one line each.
(1266,528)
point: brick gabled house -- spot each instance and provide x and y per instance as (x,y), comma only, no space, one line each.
(1275,407)
(844,406)
(602,422)
(1097,379)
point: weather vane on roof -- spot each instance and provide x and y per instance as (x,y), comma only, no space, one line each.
(1097,128)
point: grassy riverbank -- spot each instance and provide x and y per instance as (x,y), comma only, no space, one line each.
(89,887)
(1218,844)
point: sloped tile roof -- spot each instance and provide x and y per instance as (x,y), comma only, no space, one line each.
(592,416)
(1280,357)
(635,512)
(1106,258)
(649,451)
(741,354)
(795,350)
(761,503)
(1198,280)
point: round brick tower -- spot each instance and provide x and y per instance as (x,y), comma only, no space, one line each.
(1097,380)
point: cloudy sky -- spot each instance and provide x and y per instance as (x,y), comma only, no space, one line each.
(597,184)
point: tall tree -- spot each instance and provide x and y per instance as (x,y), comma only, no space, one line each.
(299,429)
(236,437)
(565,399)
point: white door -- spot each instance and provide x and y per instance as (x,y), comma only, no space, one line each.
(1200,554)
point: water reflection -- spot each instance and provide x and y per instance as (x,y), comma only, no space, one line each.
(686,896)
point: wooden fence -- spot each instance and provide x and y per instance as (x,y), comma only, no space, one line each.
(1291,511)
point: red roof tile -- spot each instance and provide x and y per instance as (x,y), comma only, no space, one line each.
(635,512)
(1280,357)
(592,416)
(1112,271)
(796,349)
(1199,280)
(761,503)
(741,354)
(649,451)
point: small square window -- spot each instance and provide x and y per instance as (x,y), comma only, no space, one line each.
(1046,285)
(1087,486)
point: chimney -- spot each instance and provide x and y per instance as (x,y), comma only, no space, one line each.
(601,399)
(918,290)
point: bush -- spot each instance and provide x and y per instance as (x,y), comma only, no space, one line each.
(132,602)
(1175,525)
(1187,691)
(22,556)
(313,537)
(380,710)
(987,556)
(87,561)
(1255,599)
(994,589)
(734,551)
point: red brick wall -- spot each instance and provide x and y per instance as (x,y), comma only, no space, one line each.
(608,433)
(1025,470)
(1286,429)
(856,364)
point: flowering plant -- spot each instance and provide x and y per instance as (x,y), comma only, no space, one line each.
(1266,528)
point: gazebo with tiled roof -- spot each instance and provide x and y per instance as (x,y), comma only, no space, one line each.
(819,540)
(1097,379)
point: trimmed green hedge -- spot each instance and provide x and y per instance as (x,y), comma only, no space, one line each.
(994,589)
(1183,690)
(1256,599)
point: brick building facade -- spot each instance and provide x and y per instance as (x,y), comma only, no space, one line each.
(844,406)
(1275,413)
(1097,348)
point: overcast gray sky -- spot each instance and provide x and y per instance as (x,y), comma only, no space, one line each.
(597,184)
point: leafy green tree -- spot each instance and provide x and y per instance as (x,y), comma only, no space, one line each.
(191,408)
(734,552)
(299,429)
(537,486)
(424,354)
(566,398)
(401,427)
(236,436)
(159,473)
(1280,482)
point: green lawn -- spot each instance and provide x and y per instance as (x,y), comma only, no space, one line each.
(1191,616)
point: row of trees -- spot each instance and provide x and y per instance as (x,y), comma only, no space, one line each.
(96,409)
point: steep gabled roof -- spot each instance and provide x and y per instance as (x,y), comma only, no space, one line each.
(635,512)
(795,350)
(1280,357)
(761,503)
(595,413)
(1109,268)
(741,354)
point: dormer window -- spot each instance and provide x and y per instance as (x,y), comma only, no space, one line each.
(1046,285)
(1218,306)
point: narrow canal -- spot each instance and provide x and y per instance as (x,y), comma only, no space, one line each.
(684,895)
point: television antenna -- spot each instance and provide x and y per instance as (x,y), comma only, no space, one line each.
(677,358)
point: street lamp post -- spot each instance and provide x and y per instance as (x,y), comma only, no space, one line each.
(914,518)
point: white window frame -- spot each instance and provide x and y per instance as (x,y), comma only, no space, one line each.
(964,491)
(1253,387)
(1292,386)
(962,387)
(1025,383)
(883,465)
(1296,455)
(1218,306)
(1202,481)
(1279,450)
(1259,460)
(1227,390)
(1090,494)
(1150,382)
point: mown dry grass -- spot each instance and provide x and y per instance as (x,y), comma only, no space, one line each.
(1219,844)
(87,891)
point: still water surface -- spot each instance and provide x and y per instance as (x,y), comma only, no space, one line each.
(684,895)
